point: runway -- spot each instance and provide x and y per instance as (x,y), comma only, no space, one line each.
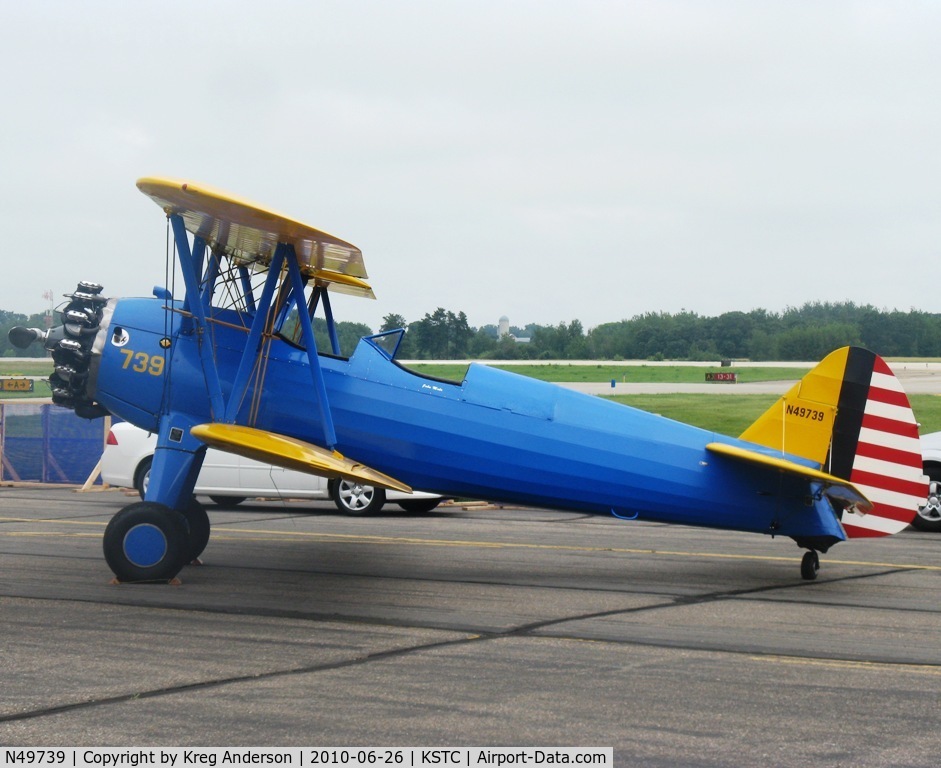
(471,626)
(916,378)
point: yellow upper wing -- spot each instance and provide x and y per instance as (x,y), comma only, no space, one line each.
(249,232)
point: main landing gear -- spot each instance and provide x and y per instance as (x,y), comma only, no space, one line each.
(149,542)
(810,564)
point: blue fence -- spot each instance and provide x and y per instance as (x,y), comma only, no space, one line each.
(48,444)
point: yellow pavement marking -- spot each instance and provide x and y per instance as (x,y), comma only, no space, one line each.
(51,520)
(260,534)
(867,666)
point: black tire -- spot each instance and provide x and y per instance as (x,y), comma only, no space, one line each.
(227,501)
(142,475)
(146,542)
(419,506)
(810,564)
(355,498)
(197,522)
(928,517)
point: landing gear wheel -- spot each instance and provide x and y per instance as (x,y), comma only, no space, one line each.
(197,523)
(810,564)
(147,542)
(355,498)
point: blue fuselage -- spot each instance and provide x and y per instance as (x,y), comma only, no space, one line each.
(495,436)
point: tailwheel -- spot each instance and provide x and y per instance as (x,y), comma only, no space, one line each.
(147,542)
(810,564)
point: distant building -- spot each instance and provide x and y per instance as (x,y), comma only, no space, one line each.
(503,329)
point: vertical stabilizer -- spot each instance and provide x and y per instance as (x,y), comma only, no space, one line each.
(852,416)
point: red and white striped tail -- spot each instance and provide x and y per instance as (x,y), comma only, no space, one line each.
(886,465)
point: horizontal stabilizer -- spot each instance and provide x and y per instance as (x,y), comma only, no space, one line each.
(835,487)
(291,453)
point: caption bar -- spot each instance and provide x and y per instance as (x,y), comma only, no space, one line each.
(308,757)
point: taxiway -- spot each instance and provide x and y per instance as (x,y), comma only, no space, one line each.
(471,626)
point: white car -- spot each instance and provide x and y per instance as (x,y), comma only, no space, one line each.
(228,479)
(929,516)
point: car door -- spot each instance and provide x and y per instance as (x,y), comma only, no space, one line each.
(255,478)
(291,483)
(219,472)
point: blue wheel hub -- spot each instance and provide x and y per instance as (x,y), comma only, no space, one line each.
(145,545)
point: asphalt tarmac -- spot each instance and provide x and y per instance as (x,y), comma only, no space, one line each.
(471,626)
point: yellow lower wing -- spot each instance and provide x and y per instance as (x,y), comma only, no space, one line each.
(835,487)
(291,453)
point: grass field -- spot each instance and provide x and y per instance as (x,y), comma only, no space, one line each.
(602,373)
(37,367)
(731,414)
(726,414)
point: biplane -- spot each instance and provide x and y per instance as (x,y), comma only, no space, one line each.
(234,364)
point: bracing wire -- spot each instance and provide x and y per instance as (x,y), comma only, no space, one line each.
(167,321)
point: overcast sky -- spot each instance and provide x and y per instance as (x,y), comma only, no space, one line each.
(541,159)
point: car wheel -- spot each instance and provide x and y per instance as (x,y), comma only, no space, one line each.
(142,475)
(355,498)
(228,501)
(419,506)
(929,514)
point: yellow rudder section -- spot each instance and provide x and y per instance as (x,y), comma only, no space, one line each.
(801,421)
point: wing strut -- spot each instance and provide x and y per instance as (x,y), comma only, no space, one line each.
(209,282)
(296,286)
(191,267)
(253,344)
(328,313)
(320,292)
(284,254)
(247,290)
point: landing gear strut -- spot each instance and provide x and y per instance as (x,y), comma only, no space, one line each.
(810,564)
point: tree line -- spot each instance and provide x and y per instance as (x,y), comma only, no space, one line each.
(798,333)
(808,332)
